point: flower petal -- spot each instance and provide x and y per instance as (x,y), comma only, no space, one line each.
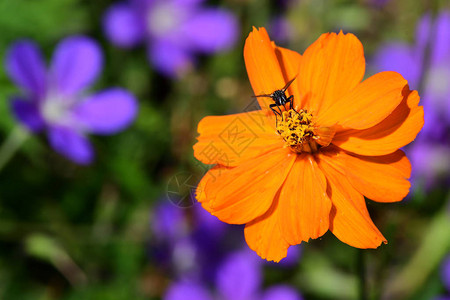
(169,58)
(292,259)
(71,144)
(304,205)
(330,68)
(107,112)
(263,235)
(168,222)
(431,162)
(263,66)
(281,292)
(210,30)
(441,38)
(368,103)
(349,219)
(211,176)
(239,276)
(394,132)
(290,62)
(27,112)
(26,67)
(424,30)
(192,3)
(121,25)
(379,178)
(233,139)
(76,63)
(245,192)
(187,291)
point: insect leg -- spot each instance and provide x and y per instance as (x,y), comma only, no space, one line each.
(276,113)
(290,100)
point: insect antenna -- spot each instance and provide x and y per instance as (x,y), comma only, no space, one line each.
(264,95)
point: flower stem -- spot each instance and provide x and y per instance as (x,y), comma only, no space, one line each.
(12,143)
(361,265)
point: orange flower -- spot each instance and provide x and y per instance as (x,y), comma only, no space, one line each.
(293,177)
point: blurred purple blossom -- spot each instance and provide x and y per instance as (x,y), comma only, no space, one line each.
(188,242)
(379,3)
(191,243)
(445,273)
(426,66)
(54,100)
(173,30)
(281,30)
(239,277)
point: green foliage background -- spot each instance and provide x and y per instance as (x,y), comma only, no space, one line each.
(71,232)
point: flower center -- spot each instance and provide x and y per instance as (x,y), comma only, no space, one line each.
(301,134)
(297,130)
(54,109)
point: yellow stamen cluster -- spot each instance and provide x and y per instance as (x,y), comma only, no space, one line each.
(297,129)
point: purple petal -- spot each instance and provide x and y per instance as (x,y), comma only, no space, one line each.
(282,292)
(122,25)
(441,43)
(400,58)
(208,224)
(445,273)
(169,58)
(169,221)
(423,34)
(437,86)
(239,277)
(107,112)
(71,144)
(430,161)
(209,234)
(281,30)
(76,63)
(142,3)
(187,291)
(188,2)
(293,256)
(26,67)
(379,3)
(435,126)
(185,257)
(27,112)
(431,122)
(210,30)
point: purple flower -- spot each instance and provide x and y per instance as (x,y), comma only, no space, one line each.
(191,243)
(409,60)
(54,100)
(188,242)
(379,3)
(445,273)
(174,30)
(238,278)
(281,29)
(426,66)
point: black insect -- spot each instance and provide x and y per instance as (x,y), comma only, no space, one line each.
(280,99)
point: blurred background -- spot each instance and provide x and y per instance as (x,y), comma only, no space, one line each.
(97,202)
